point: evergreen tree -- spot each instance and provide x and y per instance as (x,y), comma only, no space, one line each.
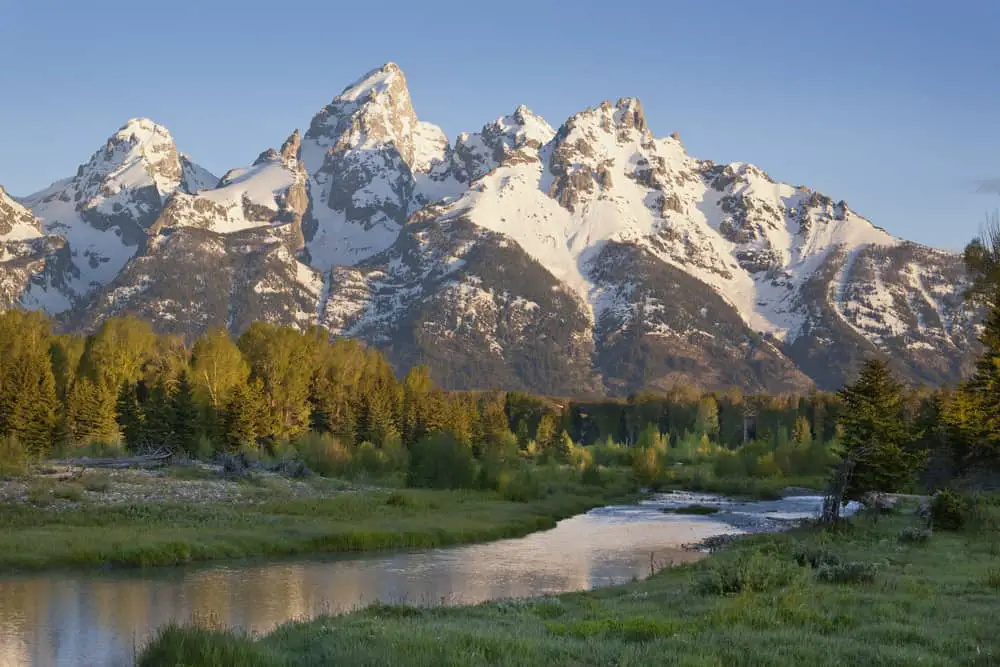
(875,436)
(91,413)
(417,387)
(131,421)
(972,415)
(184,415)
(158,415)
(28,403)
(244,416)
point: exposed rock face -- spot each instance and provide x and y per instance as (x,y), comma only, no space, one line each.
(371,165)
(596,258)
(104,212)
(31,263)
(472,305)
(190,280)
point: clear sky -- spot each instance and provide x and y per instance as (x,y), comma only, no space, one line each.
(892,105)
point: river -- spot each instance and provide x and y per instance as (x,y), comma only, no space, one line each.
(76,618)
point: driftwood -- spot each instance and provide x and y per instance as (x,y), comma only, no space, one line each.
(157,458)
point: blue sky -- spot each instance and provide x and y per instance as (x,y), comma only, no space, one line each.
(891,105)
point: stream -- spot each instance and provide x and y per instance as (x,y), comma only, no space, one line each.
(77,618)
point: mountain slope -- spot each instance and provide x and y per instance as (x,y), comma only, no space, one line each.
(32,264)
(371,164)
(590,258)
(103,211)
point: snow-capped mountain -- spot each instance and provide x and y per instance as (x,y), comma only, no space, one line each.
(31,263)
(105,210)
(590,258)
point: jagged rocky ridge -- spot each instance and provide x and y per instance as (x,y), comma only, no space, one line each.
(586,259)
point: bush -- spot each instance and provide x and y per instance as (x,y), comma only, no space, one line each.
(397,499)
(752,572)
(948,510)
(611,454)
(592,476)
(646,465)
(580,458)
(295,468)
(324,454)
(13,457)
(70,492)
(854,572)
(96,482)
(915,536)
(521,487)
(235,465)
(441,460)
(815,557)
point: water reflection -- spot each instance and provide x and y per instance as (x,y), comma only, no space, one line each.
(101,619)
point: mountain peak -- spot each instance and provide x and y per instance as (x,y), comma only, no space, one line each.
(386,78)
(629,113)
(16,222)
(140,152)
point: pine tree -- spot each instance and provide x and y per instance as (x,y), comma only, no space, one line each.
(243,416)
(91,413)
(130,418)
(157,410)
(876,437)
(184,415)
(28,402)
(972,415)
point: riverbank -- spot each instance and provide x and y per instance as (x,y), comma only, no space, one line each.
(138,519)
(877,591)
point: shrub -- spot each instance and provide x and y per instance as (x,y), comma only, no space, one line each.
(234,465)
(948,510)
(13,457)
(915,536)
(295,468)
(324,454)
(96,482)
(397,499)
(580,458)
(815,557)
(752,572)
(646,465)
(854,572)
(70,492)
(521,487)
(441,460)
(204,448)
(611,454)
(592,476)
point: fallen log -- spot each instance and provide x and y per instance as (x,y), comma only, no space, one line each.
(142,461)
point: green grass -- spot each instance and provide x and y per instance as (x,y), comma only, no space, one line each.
(34,536)
(701,477)
(760,602)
